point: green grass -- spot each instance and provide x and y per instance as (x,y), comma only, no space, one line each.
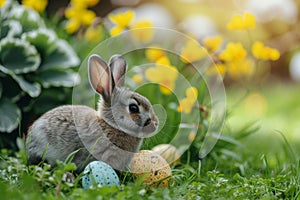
(252,160)
(214,182)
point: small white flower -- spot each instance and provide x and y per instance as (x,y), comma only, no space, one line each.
(142,192)
(51,179)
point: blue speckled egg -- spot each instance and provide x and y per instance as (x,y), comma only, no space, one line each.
(98,172)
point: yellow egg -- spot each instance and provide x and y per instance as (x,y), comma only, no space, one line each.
(168,152)
(151,168)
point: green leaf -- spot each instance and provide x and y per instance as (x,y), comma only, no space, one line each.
(71,156)
(70,167)
(6,8)
(18,56)
(58,78)
(33,89)
(21,144)
(10,28)
(11,89)
(29,19)
(10,115)
(63,56)
(43,39)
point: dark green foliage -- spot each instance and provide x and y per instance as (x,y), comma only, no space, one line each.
(33,61)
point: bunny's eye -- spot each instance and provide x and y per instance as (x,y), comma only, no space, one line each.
(133,108)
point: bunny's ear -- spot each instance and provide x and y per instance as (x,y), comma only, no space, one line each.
(100,76)
(118,68)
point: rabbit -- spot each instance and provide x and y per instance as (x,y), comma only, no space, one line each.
(110,134)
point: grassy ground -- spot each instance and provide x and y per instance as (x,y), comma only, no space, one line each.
(256,158)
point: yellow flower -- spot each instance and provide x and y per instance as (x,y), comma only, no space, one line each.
(213,43)
(192,51)
(240,69)
(84,3)
(94,34)
(116,30)
(218,68)
(153,53)
(2,3)
(78,16)
(121,21)
(137,78)
(239,22)
(84,16)
(262,52)
(186,104)
(233,52)
(142,30)
(88,17)
(39,6)
(164,74)
(72,25)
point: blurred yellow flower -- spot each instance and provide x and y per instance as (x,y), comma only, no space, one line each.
(94,33)
(153,53)
(142,30)
(233,52)
(82,15)
(186,104)
(84,3)
(121,21)
(78,15)
(164,74)
(116,30)
(218,68)
(213,43)
(39,6)
(262,52)
(2,3)
(240,69)
(239,22)
(137,78)
(192,51)
(72,26)
(88,17)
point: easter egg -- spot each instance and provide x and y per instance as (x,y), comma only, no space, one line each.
(168,152)
(151,168)
(100,173)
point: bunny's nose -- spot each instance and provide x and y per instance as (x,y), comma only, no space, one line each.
(147,122)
